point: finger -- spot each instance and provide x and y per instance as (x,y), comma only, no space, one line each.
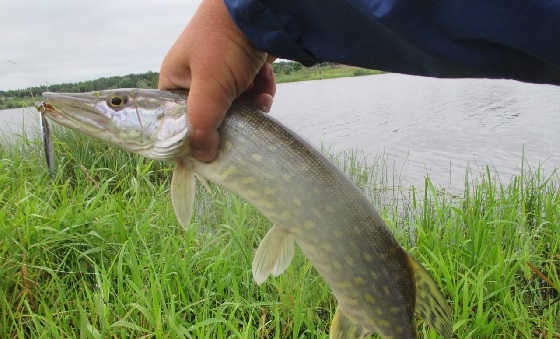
(206,109)
(175,70)
(204,144)
(166,81)
(264,102)
(263,88)
(264,81)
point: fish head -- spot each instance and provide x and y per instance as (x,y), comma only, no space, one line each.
(150,122)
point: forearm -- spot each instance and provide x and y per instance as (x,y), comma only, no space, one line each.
(504,39)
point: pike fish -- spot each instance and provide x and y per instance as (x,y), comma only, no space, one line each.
(378,285)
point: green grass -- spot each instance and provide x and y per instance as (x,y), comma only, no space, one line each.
(323,72)
(8,103)
(104,257)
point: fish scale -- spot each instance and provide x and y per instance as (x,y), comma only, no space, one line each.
(310,201)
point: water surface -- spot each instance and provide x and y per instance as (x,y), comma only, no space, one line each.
(421,125)
(17,122)
(429,126)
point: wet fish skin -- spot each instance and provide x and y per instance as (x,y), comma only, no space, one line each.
(377,284)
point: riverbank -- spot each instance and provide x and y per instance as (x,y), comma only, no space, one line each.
(283,71)
(98,251)
(320,72)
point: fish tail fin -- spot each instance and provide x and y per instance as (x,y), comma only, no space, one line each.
(430,303)
(343,327)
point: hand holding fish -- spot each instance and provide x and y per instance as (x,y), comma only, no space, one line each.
(218,64)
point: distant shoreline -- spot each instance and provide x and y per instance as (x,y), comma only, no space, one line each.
(283,72)
(322,72)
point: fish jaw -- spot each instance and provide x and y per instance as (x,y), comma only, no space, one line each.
(149,122)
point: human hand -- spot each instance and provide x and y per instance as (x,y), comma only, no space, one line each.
(214,59)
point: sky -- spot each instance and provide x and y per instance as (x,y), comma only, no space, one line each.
(49,42)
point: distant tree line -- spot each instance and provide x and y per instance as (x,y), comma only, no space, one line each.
(284,67)
(24,97)
(287,67)
(141,80)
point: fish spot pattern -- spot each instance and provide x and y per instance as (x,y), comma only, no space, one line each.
(227,172)
(338,234)
(359,281)
(269,190)
(349,260)
(387,290)
(248,180)
(327,247)
(336,265)
(336,230)
(309,224)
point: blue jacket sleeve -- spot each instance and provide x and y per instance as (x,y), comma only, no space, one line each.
(516,39)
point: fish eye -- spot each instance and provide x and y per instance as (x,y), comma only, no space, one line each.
(116,101)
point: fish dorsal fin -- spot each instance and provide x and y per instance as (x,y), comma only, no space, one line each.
(430,304)
(343,327)
(274,254)
(183,189)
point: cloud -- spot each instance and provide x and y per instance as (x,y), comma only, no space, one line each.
(47,42)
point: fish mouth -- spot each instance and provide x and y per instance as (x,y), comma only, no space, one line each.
(76,111)
(77,107)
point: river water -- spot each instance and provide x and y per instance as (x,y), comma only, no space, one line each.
(429,126)
(17,122)
(421,126)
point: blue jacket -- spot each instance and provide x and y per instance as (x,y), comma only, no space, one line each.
(517,39)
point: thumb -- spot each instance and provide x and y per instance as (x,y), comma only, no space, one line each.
(206,107)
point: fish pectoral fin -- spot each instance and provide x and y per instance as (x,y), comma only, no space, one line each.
(274,254)
(343,327)
(183,188)
(430,303)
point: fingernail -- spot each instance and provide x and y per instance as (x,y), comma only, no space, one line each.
(204,144)
(203,155)
(265,108)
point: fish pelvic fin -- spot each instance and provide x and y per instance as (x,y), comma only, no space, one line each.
(183,189)
(343,327)
(430,303)
(274,254)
